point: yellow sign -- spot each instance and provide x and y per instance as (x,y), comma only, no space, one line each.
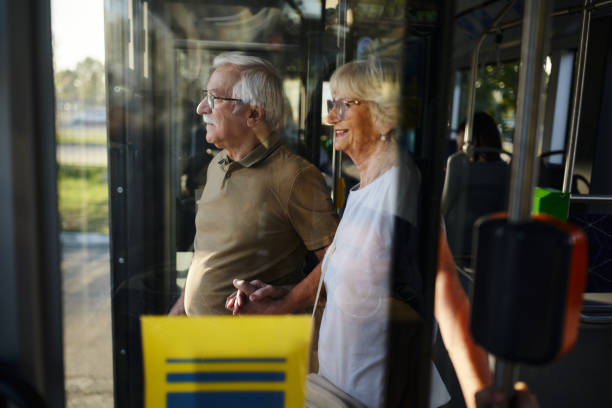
(223,361)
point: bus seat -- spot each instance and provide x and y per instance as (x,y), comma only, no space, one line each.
(471,189)
(551,174)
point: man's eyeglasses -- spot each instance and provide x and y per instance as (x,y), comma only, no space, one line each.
(210,98)
(341,106)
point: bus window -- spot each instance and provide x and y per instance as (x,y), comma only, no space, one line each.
(496,89)
(181,193)
(83,201)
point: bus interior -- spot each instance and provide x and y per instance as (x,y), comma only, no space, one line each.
(457,58)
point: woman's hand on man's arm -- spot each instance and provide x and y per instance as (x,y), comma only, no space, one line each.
(257,297)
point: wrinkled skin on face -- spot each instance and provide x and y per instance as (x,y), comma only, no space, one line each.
(356,134)
(224,127)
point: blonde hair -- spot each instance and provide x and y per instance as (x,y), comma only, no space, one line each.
(375,80)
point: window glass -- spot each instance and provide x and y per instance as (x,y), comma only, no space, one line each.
(496,91)
(165,198)
(181,176)
(496,88)
(79,74)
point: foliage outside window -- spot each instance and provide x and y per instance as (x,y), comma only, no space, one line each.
(496,89)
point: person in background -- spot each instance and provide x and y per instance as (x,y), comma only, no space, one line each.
(485,134)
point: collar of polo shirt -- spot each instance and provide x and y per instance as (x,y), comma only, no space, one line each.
(260,152)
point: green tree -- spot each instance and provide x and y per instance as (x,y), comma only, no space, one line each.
(84,84)
(65,85)
(496,89)
(90,81)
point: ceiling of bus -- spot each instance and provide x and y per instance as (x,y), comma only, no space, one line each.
(240,24)
(473,16)
(380,21)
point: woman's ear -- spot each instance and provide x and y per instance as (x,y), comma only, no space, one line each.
(256,116)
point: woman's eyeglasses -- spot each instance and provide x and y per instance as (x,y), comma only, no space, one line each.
(341,106)
(210,98)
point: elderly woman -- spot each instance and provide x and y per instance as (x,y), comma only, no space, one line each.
(357,267)
(353,334)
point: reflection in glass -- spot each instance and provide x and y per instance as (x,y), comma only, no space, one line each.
(83,201)
(159,153)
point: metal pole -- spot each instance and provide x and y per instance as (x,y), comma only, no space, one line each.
(467,136)
(587,198)
(570,159)
(340,60)
(529,103)
(562,12)
(504,377)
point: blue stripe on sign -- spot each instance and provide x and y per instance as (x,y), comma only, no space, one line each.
(226,360)
(227,376)
(251,399)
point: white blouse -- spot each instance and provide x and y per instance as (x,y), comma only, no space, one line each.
(354,329)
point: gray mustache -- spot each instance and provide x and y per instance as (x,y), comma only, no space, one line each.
(209,119)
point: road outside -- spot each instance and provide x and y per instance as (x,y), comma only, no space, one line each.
(88,358)
(81,154)
(88,355)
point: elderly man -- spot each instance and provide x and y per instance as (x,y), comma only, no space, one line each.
(262,206)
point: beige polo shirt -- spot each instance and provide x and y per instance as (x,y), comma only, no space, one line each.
(255,220)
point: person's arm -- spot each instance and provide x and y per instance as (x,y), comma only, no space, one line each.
(260,298)
(452,310)
(179,307)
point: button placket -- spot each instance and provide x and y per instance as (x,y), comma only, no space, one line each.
(229,169)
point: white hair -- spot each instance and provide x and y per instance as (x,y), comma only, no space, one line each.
(259,84)
(375,80)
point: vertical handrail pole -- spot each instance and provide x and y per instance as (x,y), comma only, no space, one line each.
(340,60)
(529,102)
(469,123)
(570,158)
(504,377)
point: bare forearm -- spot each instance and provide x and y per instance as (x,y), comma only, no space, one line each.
(452,310)
(303,294)
(268,299)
